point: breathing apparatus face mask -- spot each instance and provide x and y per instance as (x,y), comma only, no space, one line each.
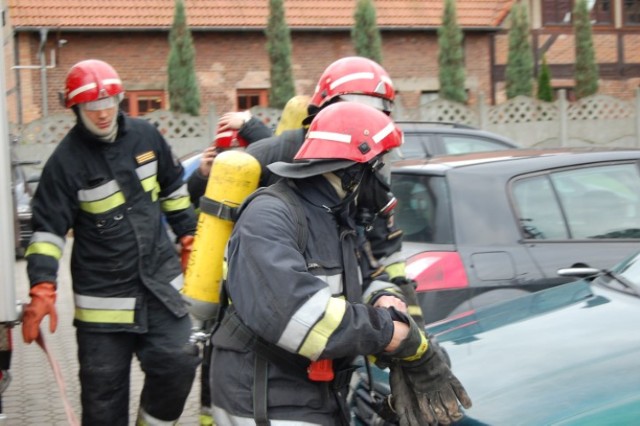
(374,193)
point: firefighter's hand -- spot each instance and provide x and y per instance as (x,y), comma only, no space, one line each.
(186,242)
(408,288)
(426,372)
(43,299)
(439,393)
(206,161)
(233,120)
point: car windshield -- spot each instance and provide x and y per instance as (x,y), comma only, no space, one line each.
(423,210)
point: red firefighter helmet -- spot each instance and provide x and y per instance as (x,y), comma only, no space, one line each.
(355,76)
(339,136)
(228,139)
(90,80)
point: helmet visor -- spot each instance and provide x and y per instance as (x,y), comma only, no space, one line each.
(380,104)
(100,104)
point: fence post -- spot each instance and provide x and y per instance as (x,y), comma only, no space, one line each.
(482,112)
(637,117)
(564,119)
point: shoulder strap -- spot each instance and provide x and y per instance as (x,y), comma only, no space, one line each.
(284,191)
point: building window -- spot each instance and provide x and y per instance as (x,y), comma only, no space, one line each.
(141,102)
(558,12)
(247,98)
(631,12)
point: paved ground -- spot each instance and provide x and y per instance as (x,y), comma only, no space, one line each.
(33,397)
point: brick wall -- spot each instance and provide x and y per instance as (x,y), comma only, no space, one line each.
(226,61)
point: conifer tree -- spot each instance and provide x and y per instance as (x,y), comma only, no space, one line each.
(451,56)
(184,94)
(519,70)
(545,91)
(279,49)
(586,67)
(365,33)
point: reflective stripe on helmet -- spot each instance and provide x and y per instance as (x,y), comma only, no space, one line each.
(330,136)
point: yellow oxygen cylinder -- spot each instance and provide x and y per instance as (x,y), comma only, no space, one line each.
(293,113)
(234,175)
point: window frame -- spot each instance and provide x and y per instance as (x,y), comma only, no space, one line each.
(134,97)
(261,94)
(557,5)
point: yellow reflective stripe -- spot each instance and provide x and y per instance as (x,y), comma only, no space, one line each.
(395,270)
(148,175)
(45,248)
(414,310)
(149,183)
(105,316)
(377,286)
(104,205)
(320,333)
(422,348)
(171,205)
(305,317)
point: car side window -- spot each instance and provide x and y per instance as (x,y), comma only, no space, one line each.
(539,213)
(457,144)
(423,210)
(415,146)
(601,202)
(595,202)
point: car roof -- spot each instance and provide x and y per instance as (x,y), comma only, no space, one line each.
(450,128)
(507,161)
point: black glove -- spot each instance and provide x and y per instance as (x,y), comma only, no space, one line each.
(436,389)
(424,376)
(408,288)
(403,399)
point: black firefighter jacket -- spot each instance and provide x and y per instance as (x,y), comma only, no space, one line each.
(306,304)
(113,196)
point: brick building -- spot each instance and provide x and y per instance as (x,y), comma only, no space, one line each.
(232,63)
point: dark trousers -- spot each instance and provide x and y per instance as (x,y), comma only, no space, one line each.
(168,361)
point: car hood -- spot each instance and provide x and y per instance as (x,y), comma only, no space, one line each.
(568,355)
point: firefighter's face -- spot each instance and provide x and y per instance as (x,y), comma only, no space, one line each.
(102,119)
(100,116)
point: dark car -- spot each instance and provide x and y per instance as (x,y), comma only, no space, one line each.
(490,226)
(426,139)
(567,355)
(22,188)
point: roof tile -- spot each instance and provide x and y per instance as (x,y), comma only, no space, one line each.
(202,14)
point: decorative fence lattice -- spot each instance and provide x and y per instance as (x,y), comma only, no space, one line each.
(522,109)
(601,107)
(445,111)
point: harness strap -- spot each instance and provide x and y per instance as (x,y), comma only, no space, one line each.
(218,209)
(261,372)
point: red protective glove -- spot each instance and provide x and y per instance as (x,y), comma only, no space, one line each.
(187,246)
(43,299)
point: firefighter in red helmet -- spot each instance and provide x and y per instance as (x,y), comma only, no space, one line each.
(112,179)
(361,80)
(300,307)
